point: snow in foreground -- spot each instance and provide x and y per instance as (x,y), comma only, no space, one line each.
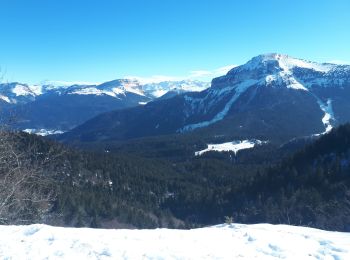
(262,241)
(234,146)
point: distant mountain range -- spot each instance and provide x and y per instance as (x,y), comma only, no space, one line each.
(193,158)
(51,108)
(272,96)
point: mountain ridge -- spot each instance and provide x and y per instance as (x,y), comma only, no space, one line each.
(253,97)
(10,92)
(57,108)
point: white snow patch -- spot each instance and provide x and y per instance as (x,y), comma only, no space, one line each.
(88,91)
(328,114)
(98,92)
(142,103)
(42,132)
(234,146)
(239,89)
(159,89)
(132,89)
(113,92)
(25,90)
(159,92)
(235,241)
(286,74)
(293,83)
(6,99)
(118,91)
(36,89)
(270,79)
(287,63)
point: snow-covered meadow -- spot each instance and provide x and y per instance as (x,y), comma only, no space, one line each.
(236,241)
(234,146)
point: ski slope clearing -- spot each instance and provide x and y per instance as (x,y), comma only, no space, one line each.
(43,132)
(236,241)
(234,146)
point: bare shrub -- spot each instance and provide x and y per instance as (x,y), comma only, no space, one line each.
(26,189)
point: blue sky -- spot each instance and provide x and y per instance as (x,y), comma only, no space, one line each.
(100,40)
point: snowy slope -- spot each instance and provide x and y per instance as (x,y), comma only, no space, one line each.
(239,89)
(271,95)
(270,71)
(23,93)
(42,132)
(14,93)
(156,90)
(58,106)
(328,117)
(234,146)
(236,241)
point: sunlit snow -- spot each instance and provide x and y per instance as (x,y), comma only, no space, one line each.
(236,241)
(329,115)
(287,63)
(255,72)
(88,91)
(239,89)
(42,132)
(6,99)
(326,107)
(159,92)
(25,90)
(160,89)
(234,146)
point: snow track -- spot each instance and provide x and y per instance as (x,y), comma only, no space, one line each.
(239,89)
(328,117)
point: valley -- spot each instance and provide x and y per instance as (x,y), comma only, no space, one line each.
(195,158)
(175,129)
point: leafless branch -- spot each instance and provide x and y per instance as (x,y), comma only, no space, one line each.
(25,192)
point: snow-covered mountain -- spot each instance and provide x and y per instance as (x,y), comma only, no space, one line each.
(175,87)
(273,73)
(270,95)
(235,241)
(15,93)
(60,107)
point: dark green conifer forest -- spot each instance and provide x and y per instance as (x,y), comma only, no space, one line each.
(132,188)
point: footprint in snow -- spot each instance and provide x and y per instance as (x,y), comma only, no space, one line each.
(31,230)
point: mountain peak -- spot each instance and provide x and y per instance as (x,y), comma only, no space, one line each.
(271,56)
(283,62)
(281,70)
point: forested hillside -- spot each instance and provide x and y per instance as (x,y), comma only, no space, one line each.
(118,189)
